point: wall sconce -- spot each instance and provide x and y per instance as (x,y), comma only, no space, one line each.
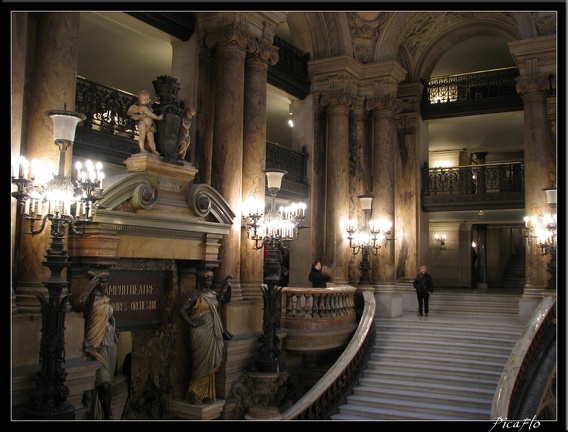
(548,242)
(528,229)
(368,239)
(55,199)
(543,229)
(440,239)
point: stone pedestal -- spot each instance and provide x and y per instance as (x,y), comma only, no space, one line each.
(408,295)
(263,413)
(186,411)
(388,300)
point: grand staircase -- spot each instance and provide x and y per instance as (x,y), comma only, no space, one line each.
(442,367)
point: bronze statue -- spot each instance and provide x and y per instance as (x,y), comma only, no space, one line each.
(201,312)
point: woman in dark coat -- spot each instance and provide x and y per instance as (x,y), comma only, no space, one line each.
(317,277)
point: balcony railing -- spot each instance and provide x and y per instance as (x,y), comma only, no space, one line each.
(109,134)
(473,93)
(500,185)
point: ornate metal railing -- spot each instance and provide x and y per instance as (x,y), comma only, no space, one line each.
(460,87)
(105,109)
(291,72)
(462,94)
(295,162)
(473,187)
(475,179)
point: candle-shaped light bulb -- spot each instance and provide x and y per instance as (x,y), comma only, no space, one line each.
(78,167)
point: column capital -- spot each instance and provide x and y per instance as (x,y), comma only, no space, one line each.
(407,123)
(232,35)
(337,98)
(359,110)
(383,102)
(533,85)
(262,51)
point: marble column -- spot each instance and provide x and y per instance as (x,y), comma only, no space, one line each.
(337,189)
(254,157)
(536,60)
(52,86)
(540,171)
(231,43)
(408,194)
(205,115)
(360,173)
(384,133)
(481,270)
(19,42)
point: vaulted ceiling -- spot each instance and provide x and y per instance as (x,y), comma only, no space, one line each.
(142,53)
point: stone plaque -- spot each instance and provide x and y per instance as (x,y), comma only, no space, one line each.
(137,298)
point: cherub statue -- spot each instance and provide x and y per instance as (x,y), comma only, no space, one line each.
(184,138)
(143,114)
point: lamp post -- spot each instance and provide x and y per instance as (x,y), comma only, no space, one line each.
(368,239)
(56,198)
(274,229)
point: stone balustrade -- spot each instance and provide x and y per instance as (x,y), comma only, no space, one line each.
(317,319)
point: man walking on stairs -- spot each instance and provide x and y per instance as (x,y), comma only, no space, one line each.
(424,286)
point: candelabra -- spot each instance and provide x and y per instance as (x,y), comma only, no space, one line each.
(368,239)
(273,230)
(275,227)
(55,200)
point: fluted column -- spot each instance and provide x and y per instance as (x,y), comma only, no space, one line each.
(227,165)
(337,190)
(52,86)
(254,156)
(384,133)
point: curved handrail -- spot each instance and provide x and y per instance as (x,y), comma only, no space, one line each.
(515,373)
(315,404)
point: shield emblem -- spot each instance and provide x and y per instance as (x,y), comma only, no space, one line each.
(168,134)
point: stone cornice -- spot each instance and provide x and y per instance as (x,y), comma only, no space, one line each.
(536,55)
